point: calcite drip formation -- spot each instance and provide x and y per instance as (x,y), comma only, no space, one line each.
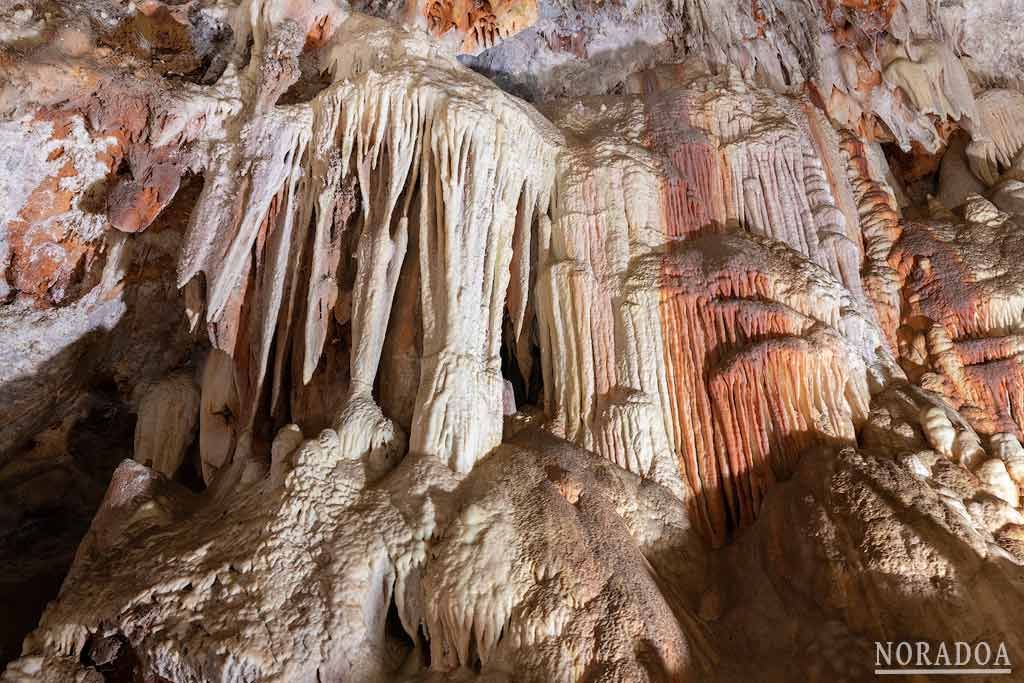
(662,385)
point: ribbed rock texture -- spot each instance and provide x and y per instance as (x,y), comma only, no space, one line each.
(703,364)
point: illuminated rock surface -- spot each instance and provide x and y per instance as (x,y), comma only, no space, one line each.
(704,361)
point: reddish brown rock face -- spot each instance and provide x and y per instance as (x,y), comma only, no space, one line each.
(480,24)
(134,203)
(959,335)
(693,193)
(42,259)
(50,257)
(106,173)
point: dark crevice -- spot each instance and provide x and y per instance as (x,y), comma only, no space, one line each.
(311,81)
(114,658)
(917,169)
(527,383)
(189,474)
(424,645)
(44,516)
(398,643)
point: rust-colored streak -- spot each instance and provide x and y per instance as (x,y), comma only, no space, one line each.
(693,185)
(749,389)
(959,282)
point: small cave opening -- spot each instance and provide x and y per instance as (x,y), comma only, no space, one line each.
(311,81)
(918,170)
(521,364)
(114,658)
(399,645)
(189,473)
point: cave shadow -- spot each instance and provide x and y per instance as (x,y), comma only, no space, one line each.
(790,617)
(47,502)
(626,60)
(46,511)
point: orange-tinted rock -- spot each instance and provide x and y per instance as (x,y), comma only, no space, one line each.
(693,192)
(880,225)
(133,203)
(158,33)
(479,23)
(132,208)
(46,256)
(962,282)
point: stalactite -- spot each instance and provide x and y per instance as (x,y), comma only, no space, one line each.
(599,332)
(711,277)
(772,401)
(880,226)
(910,86)
(219,414)
(1001,118)
(244,250)
(468,220)
(479,24)
(694,192)
(627,211)
(335,206)
(409,148)
(737,155)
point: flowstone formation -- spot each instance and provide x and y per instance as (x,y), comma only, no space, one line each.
(708,370)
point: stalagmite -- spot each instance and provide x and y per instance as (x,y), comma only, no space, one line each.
(218,417)
(469,219)
(939,430)
(967,449)
(996,480)
(168,415)
(483,626)
(1008,449)
(286,442)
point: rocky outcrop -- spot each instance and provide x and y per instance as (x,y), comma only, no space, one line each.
(960,321)
(308,518)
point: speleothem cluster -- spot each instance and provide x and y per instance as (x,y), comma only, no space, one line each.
(351,365)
